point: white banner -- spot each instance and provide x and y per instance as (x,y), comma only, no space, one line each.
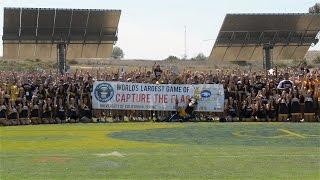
(139,96)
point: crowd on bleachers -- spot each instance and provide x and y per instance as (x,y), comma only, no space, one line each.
(289,94)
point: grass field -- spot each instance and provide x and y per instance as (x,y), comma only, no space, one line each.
(161,151)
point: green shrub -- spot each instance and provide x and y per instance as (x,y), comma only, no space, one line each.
(172,58)
(317,60)
(73,62)
(281,64)
(241,63)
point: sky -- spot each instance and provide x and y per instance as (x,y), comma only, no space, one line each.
(154,29)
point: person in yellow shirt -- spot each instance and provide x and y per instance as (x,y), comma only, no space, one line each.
(14,92)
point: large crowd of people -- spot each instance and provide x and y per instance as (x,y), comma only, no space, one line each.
(289,94)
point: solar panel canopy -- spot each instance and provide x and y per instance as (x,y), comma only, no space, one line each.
(35,32)
(242,36)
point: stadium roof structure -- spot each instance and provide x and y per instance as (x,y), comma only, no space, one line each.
(244,37)
(35,32)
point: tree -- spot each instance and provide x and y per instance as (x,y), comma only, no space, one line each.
(315,9)
(200,57)
(117,53)
(317,60)
(172,58)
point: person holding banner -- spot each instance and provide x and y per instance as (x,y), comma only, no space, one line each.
(184,114)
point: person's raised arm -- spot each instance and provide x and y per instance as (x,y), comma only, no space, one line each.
(88,74)
(98,74)
(45,104)
(75,74)
(55,102)
(68,100)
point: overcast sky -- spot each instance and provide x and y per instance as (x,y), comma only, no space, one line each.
(154,29)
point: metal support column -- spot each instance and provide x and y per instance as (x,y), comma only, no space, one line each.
(267,56)
(61,57)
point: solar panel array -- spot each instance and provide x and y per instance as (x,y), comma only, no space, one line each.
(34,32)
(242,36)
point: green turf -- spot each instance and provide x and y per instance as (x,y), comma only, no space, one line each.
(161,151)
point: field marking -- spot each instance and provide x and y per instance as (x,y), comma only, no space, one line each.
(55,159)
(292,133)
(114,153)
(311,135)
(287,134)
(241,134)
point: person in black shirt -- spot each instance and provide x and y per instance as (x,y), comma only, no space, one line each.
(72,110)
(13,116)
(295,108)
(24,112)
(47,112)
(283,108)
(3,113)
(157,71)
(232,109)
(28,90)
(35,111)
(247,110)
(86,111)
(271,110)
(261,111)
(60,111)
(259,85)
(309,107)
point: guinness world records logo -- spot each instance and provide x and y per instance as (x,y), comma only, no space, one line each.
(104,92)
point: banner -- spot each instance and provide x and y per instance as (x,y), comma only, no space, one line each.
(162,97)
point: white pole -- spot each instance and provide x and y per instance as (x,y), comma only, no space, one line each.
(185,42)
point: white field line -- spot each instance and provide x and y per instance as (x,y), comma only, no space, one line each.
(292,133)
